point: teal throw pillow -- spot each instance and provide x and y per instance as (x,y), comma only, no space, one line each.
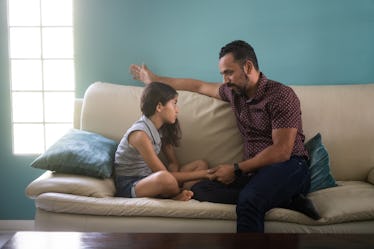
(79,152)
(319,164)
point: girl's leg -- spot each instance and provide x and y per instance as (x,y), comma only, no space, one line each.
(184,195)
(193,166)
(160,183)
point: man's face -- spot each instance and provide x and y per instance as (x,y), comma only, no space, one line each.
(233,74)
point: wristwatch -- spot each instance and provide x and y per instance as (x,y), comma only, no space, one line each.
(238,172)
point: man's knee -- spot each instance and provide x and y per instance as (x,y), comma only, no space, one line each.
(250,201)
(250,210)
(214,191)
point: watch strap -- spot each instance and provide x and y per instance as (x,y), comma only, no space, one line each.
(238,172)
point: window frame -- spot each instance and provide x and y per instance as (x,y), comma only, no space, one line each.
(48,121)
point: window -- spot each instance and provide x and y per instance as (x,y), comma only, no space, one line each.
(41,59)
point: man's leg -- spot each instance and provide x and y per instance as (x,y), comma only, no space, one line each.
(301,203)
(269,187)
(218,192)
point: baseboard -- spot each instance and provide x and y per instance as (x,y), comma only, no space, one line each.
(16,225)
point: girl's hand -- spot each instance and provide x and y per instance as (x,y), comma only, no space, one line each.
(211,174)
(173,167)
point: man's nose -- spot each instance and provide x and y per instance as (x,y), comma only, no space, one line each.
(226,79)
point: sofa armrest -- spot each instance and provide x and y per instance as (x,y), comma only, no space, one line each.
(371,176)
(71,184)
(78,103)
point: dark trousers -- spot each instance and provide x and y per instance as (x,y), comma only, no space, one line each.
(269,187)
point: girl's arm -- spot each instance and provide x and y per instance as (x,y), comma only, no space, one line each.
(173,165)
(141,141)
(193,173)
(200,174)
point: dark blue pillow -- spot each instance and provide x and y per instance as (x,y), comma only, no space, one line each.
(319,164)
(79,152)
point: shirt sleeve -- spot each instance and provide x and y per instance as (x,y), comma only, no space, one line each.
(225,93)
(286,111)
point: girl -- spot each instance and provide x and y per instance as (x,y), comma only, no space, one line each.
(139,171)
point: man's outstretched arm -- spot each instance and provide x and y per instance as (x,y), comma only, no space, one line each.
(143,74)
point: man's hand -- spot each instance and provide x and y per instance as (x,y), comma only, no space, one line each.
(225,173)
(211,174)
(142,73)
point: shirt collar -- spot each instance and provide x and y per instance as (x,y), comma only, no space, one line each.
(261,85)
(152,128)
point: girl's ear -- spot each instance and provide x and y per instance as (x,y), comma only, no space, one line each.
(159,107)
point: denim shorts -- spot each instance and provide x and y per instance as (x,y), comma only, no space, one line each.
(125,185)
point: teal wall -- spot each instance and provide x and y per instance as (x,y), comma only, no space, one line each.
(297,42)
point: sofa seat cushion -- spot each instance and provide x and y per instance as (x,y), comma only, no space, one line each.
(146,207)
(350,201)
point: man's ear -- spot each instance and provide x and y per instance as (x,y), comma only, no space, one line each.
(247,67)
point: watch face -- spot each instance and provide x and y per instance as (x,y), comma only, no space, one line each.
(238,171)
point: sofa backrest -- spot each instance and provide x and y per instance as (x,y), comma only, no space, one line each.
(341,113)
(344,116)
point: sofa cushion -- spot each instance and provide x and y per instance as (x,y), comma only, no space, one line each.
(348,202)
(319,165)
(71,184)
(138,207)
(79,152)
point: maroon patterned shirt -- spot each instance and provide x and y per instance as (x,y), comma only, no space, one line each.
(274,106)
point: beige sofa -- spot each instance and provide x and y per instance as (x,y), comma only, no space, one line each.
(343,114)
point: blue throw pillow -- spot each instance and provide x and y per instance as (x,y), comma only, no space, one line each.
(79,152)
(319,164)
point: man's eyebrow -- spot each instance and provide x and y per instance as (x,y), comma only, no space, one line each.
(226,71)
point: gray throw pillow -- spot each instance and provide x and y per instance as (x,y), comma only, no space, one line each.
(79,152)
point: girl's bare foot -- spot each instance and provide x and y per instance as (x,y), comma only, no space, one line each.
(184,195)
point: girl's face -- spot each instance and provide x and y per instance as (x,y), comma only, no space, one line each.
(169,111)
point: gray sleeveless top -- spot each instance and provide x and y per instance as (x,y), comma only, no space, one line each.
(128,160)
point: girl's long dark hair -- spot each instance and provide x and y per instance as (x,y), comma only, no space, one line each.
(153,94)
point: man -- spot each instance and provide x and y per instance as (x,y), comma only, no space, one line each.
(274,172)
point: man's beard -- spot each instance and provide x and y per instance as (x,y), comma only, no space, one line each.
(237,90)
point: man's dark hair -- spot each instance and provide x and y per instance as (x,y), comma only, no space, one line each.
(241,51)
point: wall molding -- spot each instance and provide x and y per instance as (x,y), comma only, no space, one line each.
(16,225)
